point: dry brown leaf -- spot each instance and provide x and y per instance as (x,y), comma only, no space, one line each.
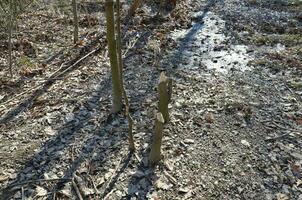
(40,191)
(3,178)
(209,117)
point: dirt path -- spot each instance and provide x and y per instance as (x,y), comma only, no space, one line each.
(235,130)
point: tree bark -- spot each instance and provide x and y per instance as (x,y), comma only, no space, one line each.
(115,72)
(165,92)
(10,30)
(155,153)
(75,22)
(120,61)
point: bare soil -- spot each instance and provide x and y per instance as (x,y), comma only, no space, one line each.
(236,111)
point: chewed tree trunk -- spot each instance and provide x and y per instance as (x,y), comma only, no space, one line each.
(155,153)
(164,92)
(112,44)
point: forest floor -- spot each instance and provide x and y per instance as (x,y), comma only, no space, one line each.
(236,112)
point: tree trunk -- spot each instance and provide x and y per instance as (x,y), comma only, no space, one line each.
(10,30)
(155,153)
(75,22)
(164,91)
(115,72)
(120,61)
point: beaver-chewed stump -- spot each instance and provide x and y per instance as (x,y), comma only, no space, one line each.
(155,153)
(164,92)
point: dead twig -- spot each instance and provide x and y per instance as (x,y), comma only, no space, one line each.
(76,189)
(39,180)
(107,195)
(93,184)
(114,173)
(285,128)
(170,177)
(22,193)
(277,137)
(53,76)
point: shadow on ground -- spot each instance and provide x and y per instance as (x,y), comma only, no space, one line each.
(141,185)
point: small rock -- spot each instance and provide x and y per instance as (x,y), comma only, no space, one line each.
(280,196)
(40,191)
(209,117)
(245,143)
(189,141)
(3,178)
(240,189)
(183,190)
(139,174)
(118,193)
(70,117)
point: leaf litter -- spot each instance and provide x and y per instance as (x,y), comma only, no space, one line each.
(234,130)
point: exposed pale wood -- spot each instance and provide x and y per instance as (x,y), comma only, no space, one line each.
(164,92)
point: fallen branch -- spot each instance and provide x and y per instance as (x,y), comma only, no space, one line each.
(22,193)
(277,137)
(53,76)
(170,177)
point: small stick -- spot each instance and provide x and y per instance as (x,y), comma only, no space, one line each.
(277,137)
(170,177)
(53,76)
(115,170)
(107,195)
(39,180)
(77,189)
(22,193)
(93,184)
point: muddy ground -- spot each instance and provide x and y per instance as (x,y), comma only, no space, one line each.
(236,114)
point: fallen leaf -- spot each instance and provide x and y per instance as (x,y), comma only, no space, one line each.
(189,141)
(183,190)
(40,191)
(245,143)
(281,196)
(299,183)
(209,117)
(3,178)
(162,185)
(299,121)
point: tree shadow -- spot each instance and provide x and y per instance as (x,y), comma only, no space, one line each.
(45,161)
(125,162)
(52,151)
(188,38)
(28,101)
(142,182)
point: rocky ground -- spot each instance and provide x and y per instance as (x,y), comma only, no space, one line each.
(236,113)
